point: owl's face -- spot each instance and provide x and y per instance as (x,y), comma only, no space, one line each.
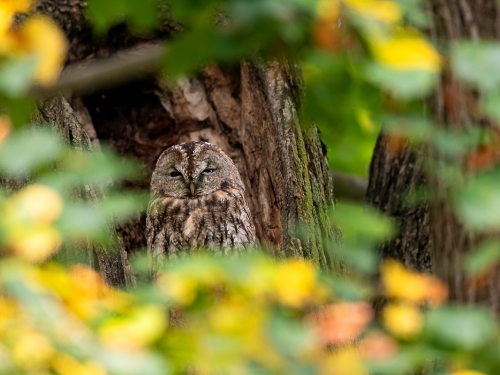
(193,169)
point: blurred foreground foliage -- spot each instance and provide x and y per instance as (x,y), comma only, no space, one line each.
(364,63)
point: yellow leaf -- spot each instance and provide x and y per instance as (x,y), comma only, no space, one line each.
(82,289)
(8,8)
(379,10)
(365,120)
(8,312)
(467,372)
(93,293)
(402,320)
(5,126)
(406,53)
(181,289)
(236,318)
(404,284)
(144,325)
(42,38)
(32,349)
(328,9)
(295,282)
(259,280)
(65,364)
(344,361)
(42,203)
(6,18)
(16,6)
(35,244)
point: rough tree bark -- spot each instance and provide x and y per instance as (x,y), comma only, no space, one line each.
(249,110)
(392,176)
(110,261)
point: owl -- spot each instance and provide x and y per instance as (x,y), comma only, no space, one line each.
(197,201)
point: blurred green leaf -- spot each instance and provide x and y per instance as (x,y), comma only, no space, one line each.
(449,142)
(404,361)
(122,206)
(477,63)
(363,259)
(97,168)
(362,223)
(286,334)
(456,143)
(189,50)
(82,220)
(28,150)
(490,104)
(132,363)
(413,126)
(478,202)
(485,256)
(141,15)
(350,289)
(344,107)
(463,328)
(415,13)
(404,85)
(182,11)
(19,109)
(16,76)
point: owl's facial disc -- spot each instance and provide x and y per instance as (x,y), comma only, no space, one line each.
(204,179)
(194,169)
(193,182)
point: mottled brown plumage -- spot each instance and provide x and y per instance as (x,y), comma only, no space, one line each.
(197,201)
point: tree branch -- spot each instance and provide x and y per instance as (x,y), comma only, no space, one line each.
(348,187)
(89,76)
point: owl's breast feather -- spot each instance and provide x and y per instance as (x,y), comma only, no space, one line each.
(191,225)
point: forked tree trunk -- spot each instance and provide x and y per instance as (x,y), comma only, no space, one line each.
(249,110)
(451,106)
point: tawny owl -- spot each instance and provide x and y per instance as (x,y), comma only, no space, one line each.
(197,200)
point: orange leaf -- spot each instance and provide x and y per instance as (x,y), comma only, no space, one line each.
(341,323)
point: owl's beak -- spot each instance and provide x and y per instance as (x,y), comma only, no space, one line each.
(191,187)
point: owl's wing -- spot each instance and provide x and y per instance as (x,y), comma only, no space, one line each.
(246,222)
(249,225)
(155,233)
(239,229)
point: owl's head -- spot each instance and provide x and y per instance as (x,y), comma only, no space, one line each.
(194,169)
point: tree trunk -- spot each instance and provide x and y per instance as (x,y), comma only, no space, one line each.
(249,110)
(435,222)
(111,261)
(393,175)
